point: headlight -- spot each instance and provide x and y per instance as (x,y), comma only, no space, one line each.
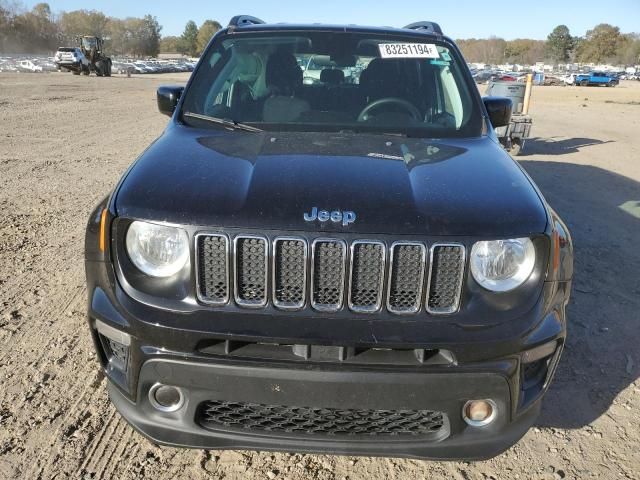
(157,250)
(502,265)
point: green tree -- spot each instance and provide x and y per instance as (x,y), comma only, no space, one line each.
(560,44)
(150,36)
(35,31)
(169,44)
(189,39)
(207,30)
(629,51)
(601,44)
(83,22)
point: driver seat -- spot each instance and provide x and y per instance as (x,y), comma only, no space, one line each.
(283,78)
(382,78)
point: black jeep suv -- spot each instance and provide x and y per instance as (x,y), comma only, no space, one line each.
(330,259)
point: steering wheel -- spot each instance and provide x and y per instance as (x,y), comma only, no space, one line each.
(408,106)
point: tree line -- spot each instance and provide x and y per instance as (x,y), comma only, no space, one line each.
(603,44)
(40,31)
(193,40)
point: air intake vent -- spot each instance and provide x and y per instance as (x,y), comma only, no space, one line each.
(251,271)
(445,278)
(366,276)
(280,419)
(406,277)
(213,274)
(328,270)
(289,273)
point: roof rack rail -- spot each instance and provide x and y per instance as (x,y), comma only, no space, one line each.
(432,27)
(244,20)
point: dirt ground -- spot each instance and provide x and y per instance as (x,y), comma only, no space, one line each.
(65,140)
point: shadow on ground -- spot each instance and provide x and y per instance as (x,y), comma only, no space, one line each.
(558,145)
(602,358)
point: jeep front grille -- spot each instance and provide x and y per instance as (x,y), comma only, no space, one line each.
(328,274)
(281,419)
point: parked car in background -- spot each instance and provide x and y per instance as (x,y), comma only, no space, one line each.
(483,76)
(596,79)
(29,66)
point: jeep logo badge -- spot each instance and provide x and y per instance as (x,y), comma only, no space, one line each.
(347,217)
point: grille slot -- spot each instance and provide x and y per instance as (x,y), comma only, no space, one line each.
(406,277)
(445,278)
(251,271)
(213,271)
(328,271)
(366,276)
(289,273)
(322,421)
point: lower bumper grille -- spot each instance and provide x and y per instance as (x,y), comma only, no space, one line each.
(321,421)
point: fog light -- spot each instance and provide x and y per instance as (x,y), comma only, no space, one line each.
(478,413)
(166,398)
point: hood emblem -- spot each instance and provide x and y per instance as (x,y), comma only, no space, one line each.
(346,217)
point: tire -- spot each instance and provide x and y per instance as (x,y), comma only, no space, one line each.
(75,72)
(584,83)
(99,68)
(107,73)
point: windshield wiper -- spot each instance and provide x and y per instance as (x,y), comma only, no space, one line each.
(231,124)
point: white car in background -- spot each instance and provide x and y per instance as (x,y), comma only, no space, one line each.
(28,66)
(569,79)
(71,58)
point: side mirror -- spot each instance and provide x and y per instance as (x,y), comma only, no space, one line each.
(499,110)
(168,96)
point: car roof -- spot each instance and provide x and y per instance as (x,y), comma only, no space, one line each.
(321,27)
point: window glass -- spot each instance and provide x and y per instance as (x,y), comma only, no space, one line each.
(328,81)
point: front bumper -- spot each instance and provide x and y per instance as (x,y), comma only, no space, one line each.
(167,347)
(445,392)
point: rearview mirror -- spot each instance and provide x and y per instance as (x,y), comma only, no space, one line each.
(499,110)
(168,96)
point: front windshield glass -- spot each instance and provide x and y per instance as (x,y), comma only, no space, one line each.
(334,81)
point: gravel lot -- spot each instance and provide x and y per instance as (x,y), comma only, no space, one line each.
(65,140)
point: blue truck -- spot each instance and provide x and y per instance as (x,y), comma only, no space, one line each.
(596,79)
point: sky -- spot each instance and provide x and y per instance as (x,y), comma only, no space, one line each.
(458,18)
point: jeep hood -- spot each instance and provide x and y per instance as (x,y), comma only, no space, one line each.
(269,180)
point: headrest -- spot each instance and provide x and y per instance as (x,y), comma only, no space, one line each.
(332,76)
(283,73)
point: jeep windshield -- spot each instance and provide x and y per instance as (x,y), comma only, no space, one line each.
(334,81)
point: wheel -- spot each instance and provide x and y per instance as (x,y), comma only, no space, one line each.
(584,83)
(75,72)
(107,73)
(404,104)
(86,70)
(516,148)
